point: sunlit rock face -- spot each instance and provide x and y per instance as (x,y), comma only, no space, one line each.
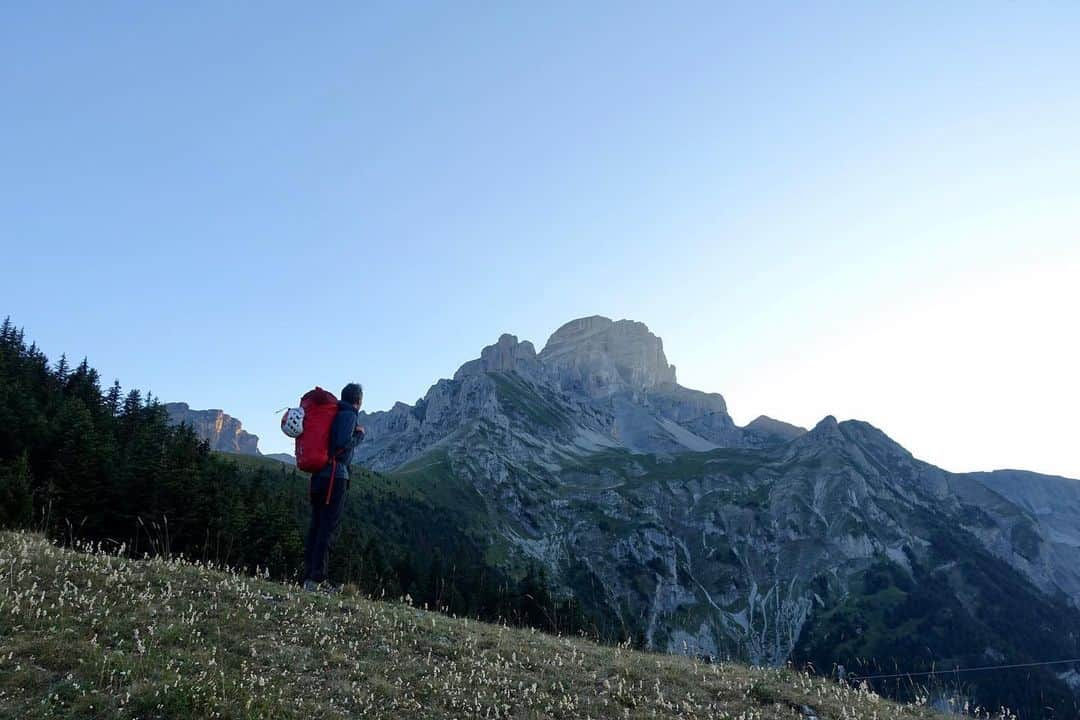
(598,357)
(222,431)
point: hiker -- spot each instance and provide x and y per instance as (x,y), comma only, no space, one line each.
(328,486)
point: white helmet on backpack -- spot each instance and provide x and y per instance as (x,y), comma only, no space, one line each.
(292,422)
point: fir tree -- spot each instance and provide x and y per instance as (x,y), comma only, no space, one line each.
(62,370)
(112,399)
(16,500)
(132,403)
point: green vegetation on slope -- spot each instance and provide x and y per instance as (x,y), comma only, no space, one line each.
(86,635)
(971,612)
(521,400)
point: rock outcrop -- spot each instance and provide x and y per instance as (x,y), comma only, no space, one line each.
(507,355)
(598,357)
(222,431)
(1045,539)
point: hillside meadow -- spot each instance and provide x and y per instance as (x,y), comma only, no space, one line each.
(86,634)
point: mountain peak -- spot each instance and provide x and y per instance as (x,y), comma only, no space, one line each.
(771,427)
(506,355)
(826,433)
(601,356)
(827,424)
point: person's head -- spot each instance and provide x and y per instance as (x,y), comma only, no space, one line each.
(353,393)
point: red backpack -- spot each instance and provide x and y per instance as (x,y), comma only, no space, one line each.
(313,445)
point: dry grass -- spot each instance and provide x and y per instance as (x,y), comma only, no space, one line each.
(86,634)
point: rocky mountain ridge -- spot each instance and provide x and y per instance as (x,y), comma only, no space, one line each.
(612,379)
(645,501)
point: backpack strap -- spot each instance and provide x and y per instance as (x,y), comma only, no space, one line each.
(330,488)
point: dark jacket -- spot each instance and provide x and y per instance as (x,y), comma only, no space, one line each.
(343,440)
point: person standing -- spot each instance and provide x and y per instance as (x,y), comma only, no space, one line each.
(328,486)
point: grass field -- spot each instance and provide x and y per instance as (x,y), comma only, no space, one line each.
(87,635)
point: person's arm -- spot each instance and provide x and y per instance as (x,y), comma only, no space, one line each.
(357,435)
(341,433)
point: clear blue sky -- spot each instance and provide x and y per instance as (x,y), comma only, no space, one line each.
(855,209)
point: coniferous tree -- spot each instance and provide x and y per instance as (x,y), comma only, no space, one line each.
(112,399)
(132,403)
(129,415)
(82,370)
(74,473)
(62,370)
(16,500)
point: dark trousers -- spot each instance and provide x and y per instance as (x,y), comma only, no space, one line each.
(325,519)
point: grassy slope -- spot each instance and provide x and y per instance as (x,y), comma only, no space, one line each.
(90,635)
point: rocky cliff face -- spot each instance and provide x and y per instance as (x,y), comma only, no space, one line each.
(597,357)
(223,432)
(1048,548)
(507,355)
(646,502)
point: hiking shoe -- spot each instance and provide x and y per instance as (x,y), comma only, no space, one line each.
(310,586)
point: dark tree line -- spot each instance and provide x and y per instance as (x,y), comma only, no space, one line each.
(83,463)
(80,462)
